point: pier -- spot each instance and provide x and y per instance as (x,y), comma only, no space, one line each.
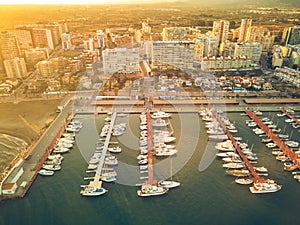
(96,182)
(291,117)
(150,158)
(280,143)
(256,177)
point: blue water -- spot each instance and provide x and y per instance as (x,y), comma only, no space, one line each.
(208,197)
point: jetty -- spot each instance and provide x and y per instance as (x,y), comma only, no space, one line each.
(96,183)
(150,179)
(291,116)
(280,143)
(256,177)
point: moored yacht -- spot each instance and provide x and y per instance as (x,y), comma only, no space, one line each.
(151,190)
(267,186)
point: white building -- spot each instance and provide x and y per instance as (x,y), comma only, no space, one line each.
(220,30)
(121,60)
(100,39)
(15,68)
(66,41)
(206,46)
(250,50)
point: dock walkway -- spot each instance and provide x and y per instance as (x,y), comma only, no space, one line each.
(97,177)
(150,159)
(255,175)
(280,143)
(291,116)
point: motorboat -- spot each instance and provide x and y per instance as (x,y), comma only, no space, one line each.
(51,167)
(252,157)
(266,140)
(292,144)
(92,191)
(226,146)
(115,149)
(289,166)
(61,150)
(238,173)
(165,152)
(227,154)
(280,114)
(244,181)
(261,169)
(46,172)
(56,156)
(143,167)
(159,123)
(258,131)
(218,137)
(151,190)
(267,186)
(109,176)
(232,160)
(143,161)
(160,114)
(271,145)
(234,165)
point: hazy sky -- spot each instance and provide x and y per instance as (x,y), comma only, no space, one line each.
(69,1)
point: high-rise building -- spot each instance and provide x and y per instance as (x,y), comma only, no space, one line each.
(55,33)
(277,58)
(206,46)
(121,60)
(146,28)
(100,39)
(254,33)
(220,30)
(9,47)
(227,49)
(292,36)
(179,54)
(42,38)
(66,41)
(245,24)
(89,44)
(45,68)
(175,33)
(24,39)
(15,68)
(34,55)
(250,50)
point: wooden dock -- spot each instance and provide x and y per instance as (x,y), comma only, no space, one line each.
(280,143)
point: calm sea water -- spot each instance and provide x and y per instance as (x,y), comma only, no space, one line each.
(207,197)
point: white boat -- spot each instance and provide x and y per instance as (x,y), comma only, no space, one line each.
(60,150)
(232,160)
(226,146)
(111,162)
(169,183)
(244,181)
(292,144)
(233,165)
(289,166)
(143,161)
(143,167)
(220,137)
(271,145)
(160,114)
(159,123)
(280,114)
(258,131)
(261,169)
(238,173)
(151,190)
(164,152)
(252,157)
(109,176)
(56,156)
(267,186)
(51,167)
(115,149)
(140,157)
(143,127)
(92,191)
(227,154)
(46,172)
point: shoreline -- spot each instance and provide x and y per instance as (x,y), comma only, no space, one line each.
(31,171)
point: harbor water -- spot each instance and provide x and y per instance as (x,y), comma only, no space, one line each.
(206,195)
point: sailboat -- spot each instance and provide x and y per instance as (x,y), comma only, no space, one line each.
(169,183)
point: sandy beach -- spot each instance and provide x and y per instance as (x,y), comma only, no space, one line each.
(23,121)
